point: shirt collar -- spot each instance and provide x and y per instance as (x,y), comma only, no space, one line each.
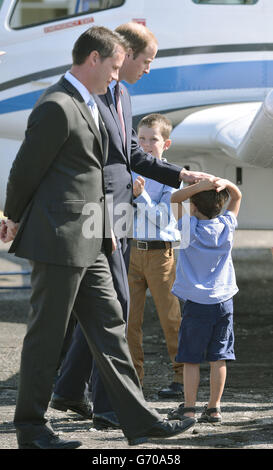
(79,86)
(112,85)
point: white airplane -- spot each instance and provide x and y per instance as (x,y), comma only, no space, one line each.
(212,76)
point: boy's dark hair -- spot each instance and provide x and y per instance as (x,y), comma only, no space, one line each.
(210,203)
(97,38)
(160,120)
(137,35)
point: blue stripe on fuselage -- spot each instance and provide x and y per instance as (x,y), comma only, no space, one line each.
(201,77)
(20,102)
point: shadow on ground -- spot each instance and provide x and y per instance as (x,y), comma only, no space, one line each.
(247,401)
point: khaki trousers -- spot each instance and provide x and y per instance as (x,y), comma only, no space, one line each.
(153,269)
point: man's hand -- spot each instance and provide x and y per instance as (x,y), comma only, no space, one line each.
(193,176)
(138,186)
(207,184)
(8,230)
(114,242)
(3,230)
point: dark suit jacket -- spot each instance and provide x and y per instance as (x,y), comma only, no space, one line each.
(58,169)
(121,160)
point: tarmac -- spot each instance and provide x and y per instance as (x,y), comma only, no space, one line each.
(247,406)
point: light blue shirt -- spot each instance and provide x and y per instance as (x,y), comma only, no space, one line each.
(112,89)
(153,218)
(204,271)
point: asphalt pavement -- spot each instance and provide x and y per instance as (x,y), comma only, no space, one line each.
(247,401)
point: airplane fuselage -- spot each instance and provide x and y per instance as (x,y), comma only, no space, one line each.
(210,55)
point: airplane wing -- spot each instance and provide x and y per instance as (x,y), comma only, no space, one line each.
(242,132)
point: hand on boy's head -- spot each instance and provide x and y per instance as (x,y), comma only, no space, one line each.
(207,184)
(138,186)
(193,176)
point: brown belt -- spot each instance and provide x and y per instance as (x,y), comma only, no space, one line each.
(152,245)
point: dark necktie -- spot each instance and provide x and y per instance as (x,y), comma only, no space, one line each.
(119,111)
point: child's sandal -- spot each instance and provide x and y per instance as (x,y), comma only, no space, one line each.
(207,418)
(179,412)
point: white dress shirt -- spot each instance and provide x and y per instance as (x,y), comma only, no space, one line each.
(87,96)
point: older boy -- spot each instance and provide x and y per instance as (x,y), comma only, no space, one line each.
(152,263)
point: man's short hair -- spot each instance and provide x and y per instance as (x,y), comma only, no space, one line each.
(160,120)
(137,35)
(97,38)
(210,203)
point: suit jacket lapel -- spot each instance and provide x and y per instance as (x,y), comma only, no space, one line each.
(85,111)
(89,118)
(127,118)
(105,140)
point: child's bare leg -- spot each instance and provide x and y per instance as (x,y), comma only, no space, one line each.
(218,372)
(191,383)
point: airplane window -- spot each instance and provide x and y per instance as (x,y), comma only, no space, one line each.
(226,2)
(28,13)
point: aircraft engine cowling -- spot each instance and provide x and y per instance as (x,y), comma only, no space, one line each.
(256,148)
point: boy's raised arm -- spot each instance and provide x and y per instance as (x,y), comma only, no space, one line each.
(234,192)
(185,193)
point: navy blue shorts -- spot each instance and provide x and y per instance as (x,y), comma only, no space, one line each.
(206,333)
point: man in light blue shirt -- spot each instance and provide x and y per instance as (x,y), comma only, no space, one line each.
(152,262)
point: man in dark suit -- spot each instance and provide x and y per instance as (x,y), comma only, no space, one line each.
(125,155)
(55,187)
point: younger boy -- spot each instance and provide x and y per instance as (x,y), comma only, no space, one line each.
(205,280)
(152,262)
